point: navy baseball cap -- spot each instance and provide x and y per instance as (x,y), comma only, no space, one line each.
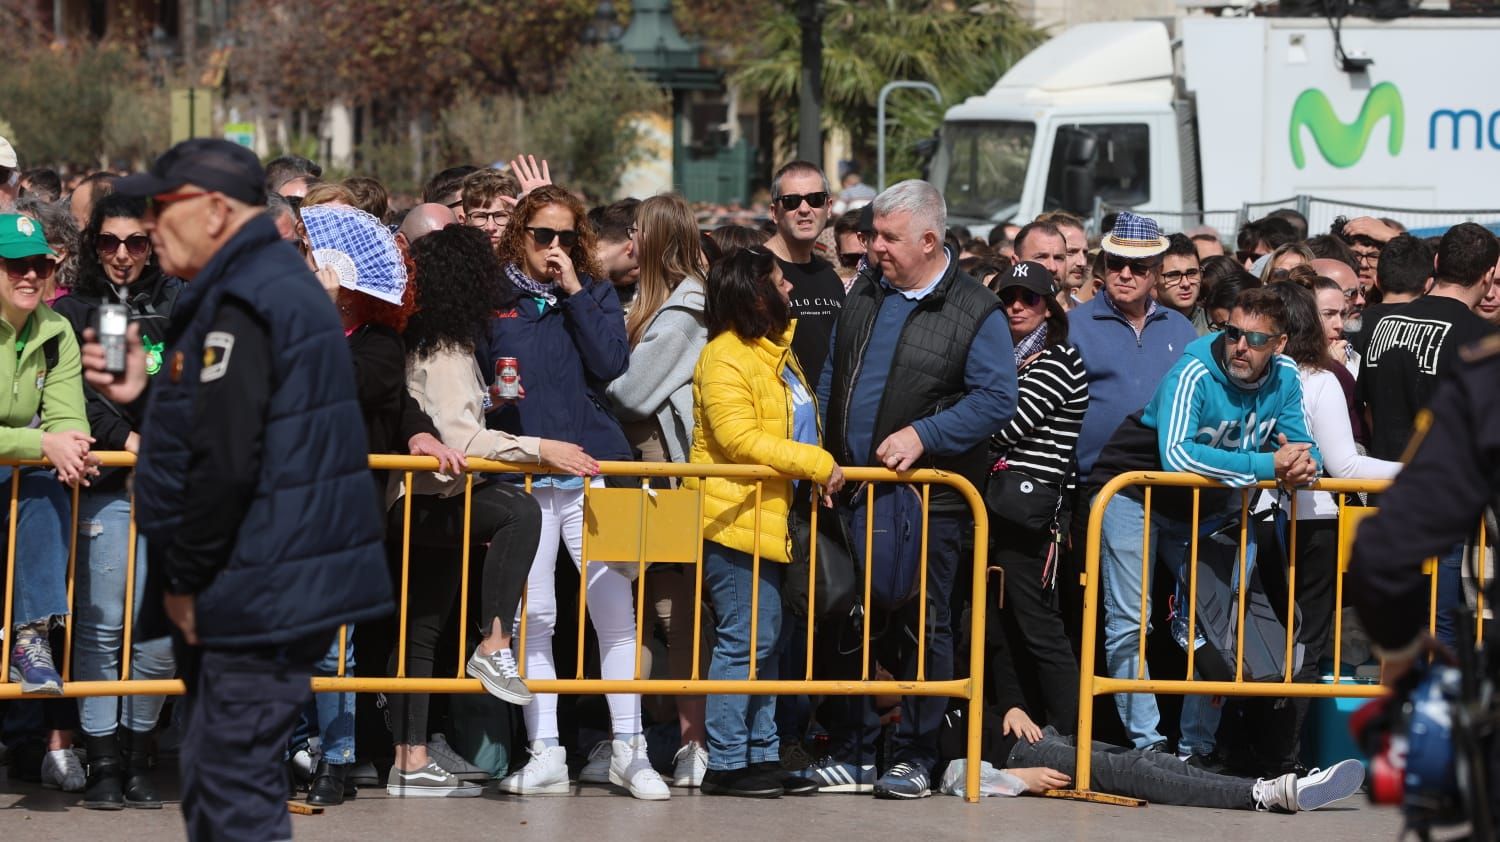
(215,165)
(1027,275)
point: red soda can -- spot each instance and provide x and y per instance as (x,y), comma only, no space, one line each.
(508,379)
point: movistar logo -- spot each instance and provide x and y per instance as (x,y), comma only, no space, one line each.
(1343,144)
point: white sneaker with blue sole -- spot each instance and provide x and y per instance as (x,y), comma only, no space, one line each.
(1322,787)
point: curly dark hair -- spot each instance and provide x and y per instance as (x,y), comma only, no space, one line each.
(459,286)
(92,281)
(512,245)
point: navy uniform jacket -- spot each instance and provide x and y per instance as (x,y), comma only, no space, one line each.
(253,487)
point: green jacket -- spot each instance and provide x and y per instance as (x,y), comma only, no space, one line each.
(57,396)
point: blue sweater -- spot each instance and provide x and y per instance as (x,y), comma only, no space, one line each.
(1123,369)
(989,376)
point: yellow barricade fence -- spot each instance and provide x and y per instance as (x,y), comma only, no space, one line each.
(638,525)
(1092,685)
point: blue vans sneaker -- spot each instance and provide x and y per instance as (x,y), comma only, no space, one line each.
(31,662)
(904,780)
(834,775)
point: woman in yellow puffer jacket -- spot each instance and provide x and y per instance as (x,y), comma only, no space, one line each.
(751,405)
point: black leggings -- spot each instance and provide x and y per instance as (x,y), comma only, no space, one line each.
(503,516)
(1032,623)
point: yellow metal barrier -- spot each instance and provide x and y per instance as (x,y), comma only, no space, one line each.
(1092,685)
(639,526)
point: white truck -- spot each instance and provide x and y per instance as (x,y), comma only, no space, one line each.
(1209,113)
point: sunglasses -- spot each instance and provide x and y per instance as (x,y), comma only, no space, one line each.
(1137,265)
(850,260)
(19,267)
(1010,295)
(158,204)
(545,236)
(1253,338)
(136,245)
(792,201)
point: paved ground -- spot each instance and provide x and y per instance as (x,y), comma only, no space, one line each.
(602,814)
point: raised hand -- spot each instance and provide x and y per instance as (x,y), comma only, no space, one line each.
(529,174)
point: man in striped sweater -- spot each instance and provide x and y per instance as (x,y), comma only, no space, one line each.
(1230,410)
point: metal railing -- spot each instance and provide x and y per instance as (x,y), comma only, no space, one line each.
(638,525)
(1092,685)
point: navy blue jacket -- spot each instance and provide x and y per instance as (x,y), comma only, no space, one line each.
(568,354)
(308,554)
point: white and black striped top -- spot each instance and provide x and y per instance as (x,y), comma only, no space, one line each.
(1041,439)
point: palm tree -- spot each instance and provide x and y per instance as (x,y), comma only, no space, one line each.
(867,44)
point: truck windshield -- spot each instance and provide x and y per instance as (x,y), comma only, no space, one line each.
(983,168)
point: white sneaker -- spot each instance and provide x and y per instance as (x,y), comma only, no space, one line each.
(689,764)
(629,767)
(596,771)
(1278,795)
(1322,787)
(61,770)
(546,773)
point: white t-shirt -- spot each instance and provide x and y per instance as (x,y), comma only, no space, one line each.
(1327,415)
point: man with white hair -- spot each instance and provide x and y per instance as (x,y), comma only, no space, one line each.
(920,374)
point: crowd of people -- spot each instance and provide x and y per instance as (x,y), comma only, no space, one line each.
(502,319)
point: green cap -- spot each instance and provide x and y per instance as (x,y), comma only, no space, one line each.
(21,236)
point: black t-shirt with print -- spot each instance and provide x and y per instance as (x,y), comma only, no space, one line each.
(817,297)
(1409,350)
(1360,340)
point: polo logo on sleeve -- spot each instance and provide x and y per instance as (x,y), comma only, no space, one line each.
(217,347)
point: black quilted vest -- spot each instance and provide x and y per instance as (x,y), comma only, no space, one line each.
(927,372)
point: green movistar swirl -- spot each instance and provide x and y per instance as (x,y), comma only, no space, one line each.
(1343,144)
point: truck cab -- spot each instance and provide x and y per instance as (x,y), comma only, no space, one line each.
(1091,113)
(1232,116)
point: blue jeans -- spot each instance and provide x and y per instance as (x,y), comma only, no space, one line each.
(99,625)
(853,724)
(45,516)
(1450,594)
(742,729)
(1120,578)
(332,713)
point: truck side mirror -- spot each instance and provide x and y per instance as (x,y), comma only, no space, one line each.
(1078,190)
(926,149)
(1083,147)
(1078,173)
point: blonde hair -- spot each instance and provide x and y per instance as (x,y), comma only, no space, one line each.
(668,250)
(1298,249)
(329,193)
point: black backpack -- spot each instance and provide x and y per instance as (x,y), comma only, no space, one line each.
(1217,617)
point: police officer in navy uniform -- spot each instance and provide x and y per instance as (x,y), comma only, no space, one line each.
(1435,503)
(252,488)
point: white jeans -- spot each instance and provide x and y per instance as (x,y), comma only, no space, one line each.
(611,608)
